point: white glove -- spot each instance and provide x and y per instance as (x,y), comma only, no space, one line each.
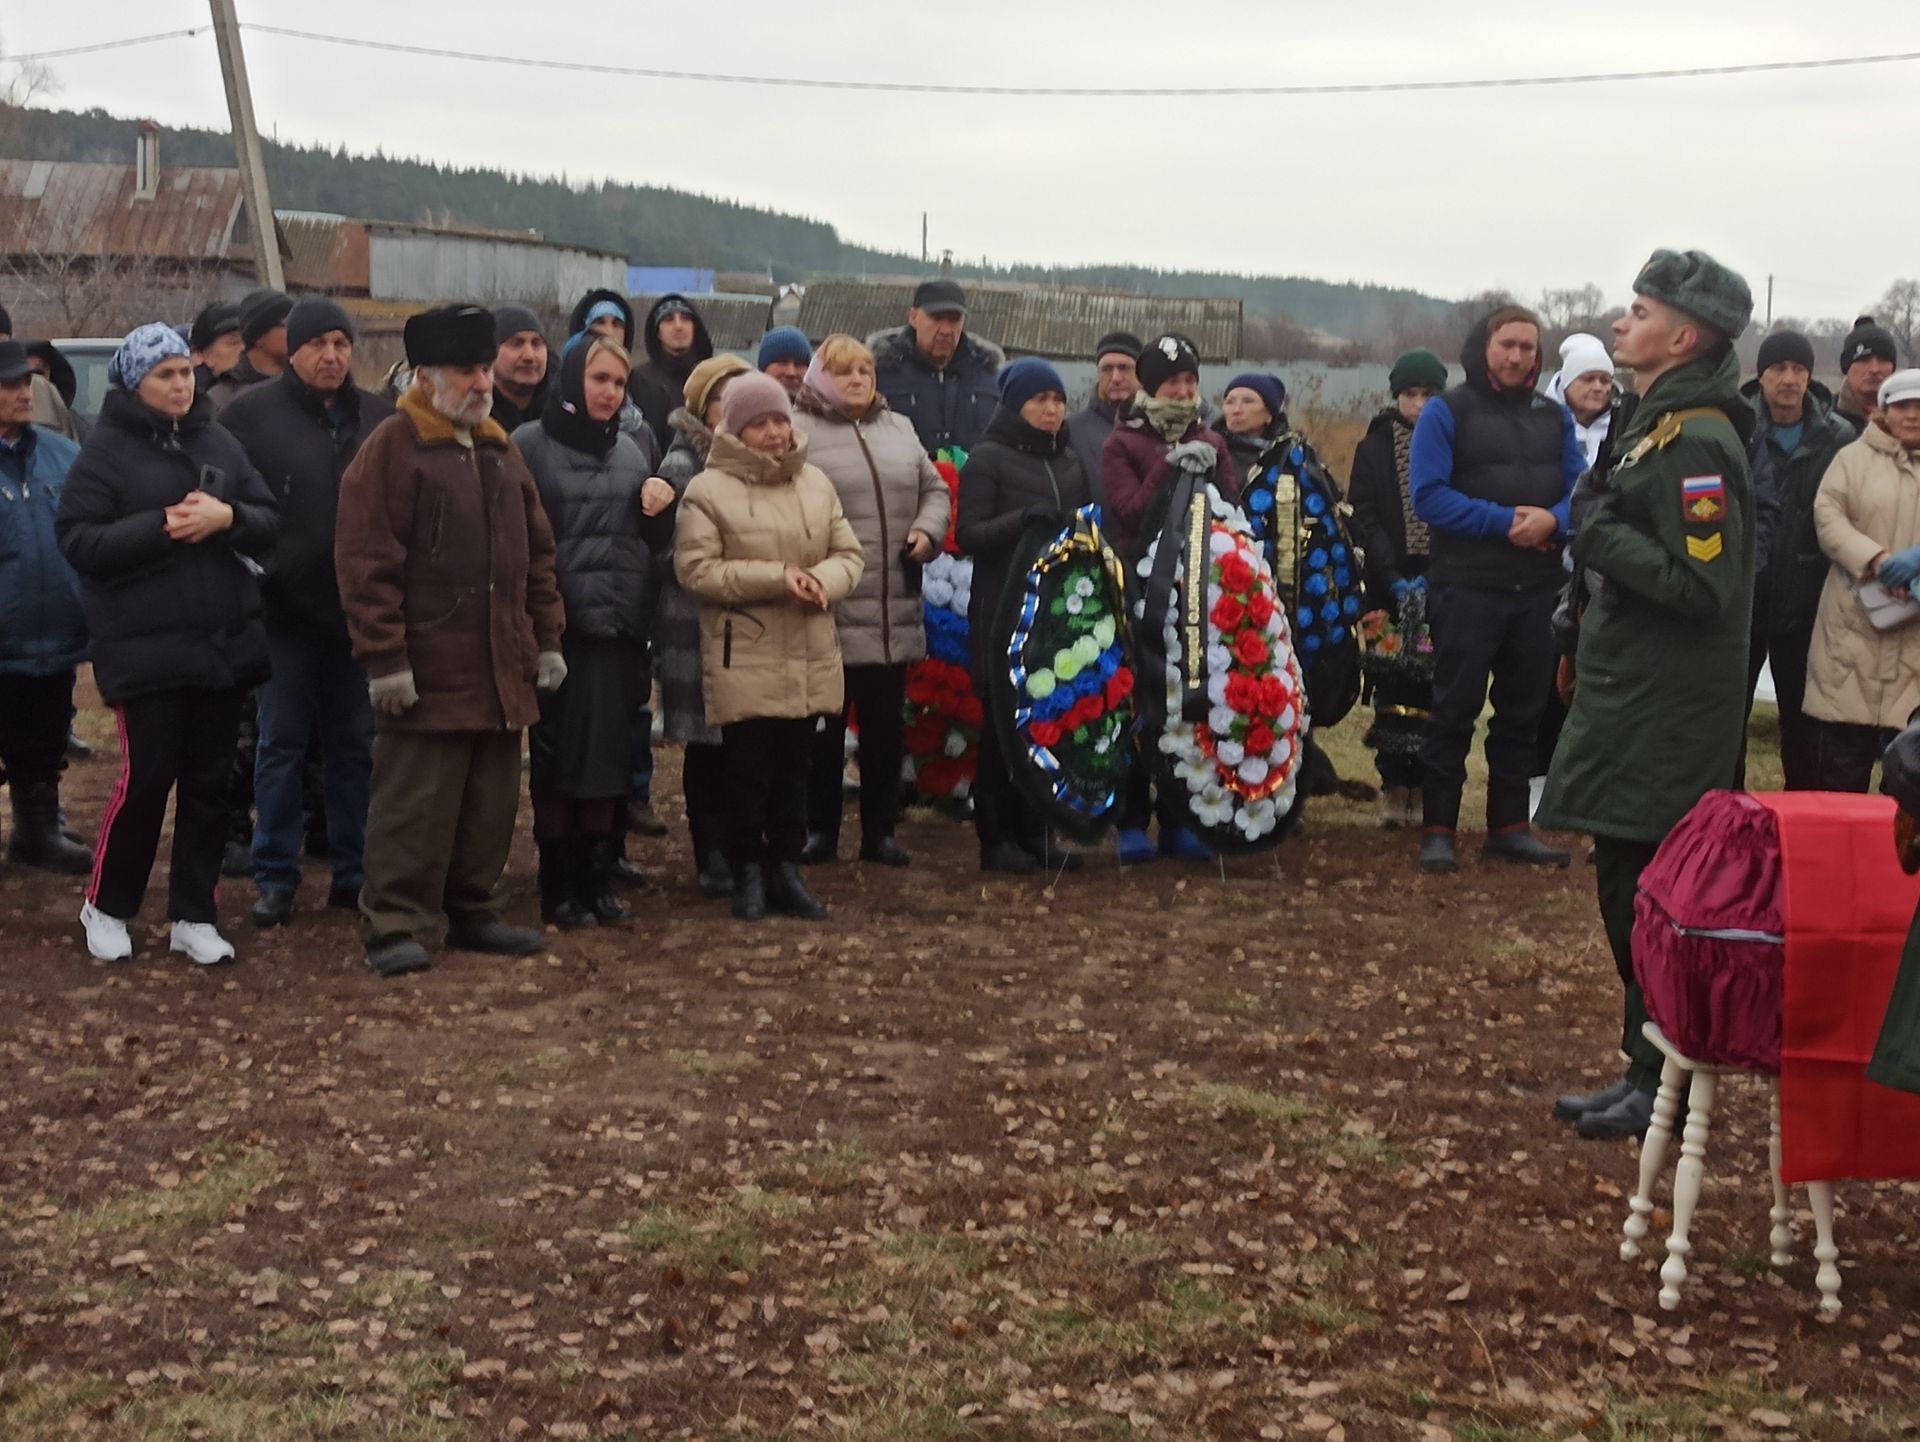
(549,671)
(393,695)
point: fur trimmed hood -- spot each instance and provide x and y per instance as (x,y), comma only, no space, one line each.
(895,346)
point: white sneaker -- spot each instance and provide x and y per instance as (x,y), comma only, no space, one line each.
(202,943)
(107,936)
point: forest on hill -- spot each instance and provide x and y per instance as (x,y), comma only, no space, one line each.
(653,225)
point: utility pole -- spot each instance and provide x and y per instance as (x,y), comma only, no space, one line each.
(923,237)
(1769,302)
(246,147)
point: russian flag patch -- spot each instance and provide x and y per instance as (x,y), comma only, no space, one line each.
(1703,500)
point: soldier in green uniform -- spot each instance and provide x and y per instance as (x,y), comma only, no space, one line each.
(1664,564)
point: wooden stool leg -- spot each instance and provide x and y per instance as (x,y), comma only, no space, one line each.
(1686,1186)
(1827,1279)
(1653,1155)
(1781,1237)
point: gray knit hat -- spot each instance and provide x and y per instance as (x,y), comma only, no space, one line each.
(1694,282)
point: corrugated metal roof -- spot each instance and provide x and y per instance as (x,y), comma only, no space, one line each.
(1051,321)
(83,208)
(736,322)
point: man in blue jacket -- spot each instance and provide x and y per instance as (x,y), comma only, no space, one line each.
(43,633)
(1491,466)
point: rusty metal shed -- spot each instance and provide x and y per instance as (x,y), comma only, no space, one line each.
(192,216)
(1052,321)
(393,260)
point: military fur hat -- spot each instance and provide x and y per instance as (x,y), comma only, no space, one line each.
(1694,282)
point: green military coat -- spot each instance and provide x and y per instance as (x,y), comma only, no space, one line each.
(1660,703)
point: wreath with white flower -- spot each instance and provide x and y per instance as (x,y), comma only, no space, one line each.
(1231,735)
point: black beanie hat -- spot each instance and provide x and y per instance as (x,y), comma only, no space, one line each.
(510,319)
(313,316)
(1117,342)
(1167,357)
(215,321)
(261,313)
(1867,340)
(1784,345)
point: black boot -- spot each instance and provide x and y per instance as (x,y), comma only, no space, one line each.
(596,879)
(1436,851)
(37,838)
(749,891)
(711,872)
(788,894)
(559,881)
(1518,845)
(1574,1105)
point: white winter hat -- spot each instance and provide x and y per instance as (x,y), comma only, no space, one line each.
(1581,353)
(1900,386)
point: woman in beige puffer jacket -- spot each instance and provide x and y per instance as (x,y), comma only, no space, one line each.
(1863,685)
(762,544)
(898,507)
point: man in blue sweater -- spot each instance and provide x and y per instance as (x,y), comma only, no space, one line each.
(1491,467)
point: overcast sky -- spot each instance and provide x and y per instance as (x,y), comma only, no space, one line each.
(1789,173)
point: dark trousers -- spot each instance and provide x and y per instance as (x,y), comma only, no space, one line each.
(766,761)
(1000,812)
(35,712)
(1553,720)
(1617,865)
(172,741)
(1844,755)
(439,826)
(1787,652)
(641,788)
(1505,637)
(877,695)
(246,744)
(703,780)
(317,691)
(1398,771)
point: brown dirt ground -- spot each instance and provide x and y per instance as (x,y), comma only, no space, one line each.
(1152,1155)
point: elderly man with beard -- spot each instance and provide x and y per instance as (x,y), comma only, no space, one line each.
(445,565)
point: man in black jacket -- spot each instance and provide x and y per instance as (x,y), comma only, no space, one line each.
(1115,383)
(1796,436)
(1491,467)
(520,369)
(301,431)
(263,330)
(935,374)
(676,340)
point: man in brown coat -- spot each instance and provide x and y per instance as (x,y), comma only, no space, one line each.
(445,562)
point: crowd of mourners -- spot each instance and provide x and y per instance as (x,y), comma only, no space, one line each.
(342,621)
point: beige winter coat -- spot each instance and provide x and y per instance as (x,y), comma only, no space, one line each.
(887,487)
(742,522)
(1869,502)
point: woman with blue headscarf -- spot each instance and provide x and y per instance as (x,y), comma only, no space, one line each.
(166,521)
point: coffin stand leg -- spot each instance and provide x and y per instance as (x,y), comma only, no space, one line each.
(1653,1156)
(1686,1185)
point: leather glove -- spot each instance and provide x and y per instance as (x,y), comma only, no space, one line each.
(393,695)
(549,672)
(1900,569)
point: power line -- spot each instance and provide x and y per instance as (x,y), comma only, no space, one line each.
(123,44)
(800,82)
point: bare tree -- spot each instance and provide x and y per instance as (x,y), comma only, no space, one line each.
(1576,308)
(1899,312)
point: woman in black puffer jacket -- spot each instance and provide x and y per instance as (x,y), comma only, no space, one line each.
(609,514)
(1023,470)
(165,521)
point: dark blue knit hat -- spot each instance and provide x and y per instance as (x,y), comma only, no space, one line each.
(784,342)
(1270,389)
(1020,381)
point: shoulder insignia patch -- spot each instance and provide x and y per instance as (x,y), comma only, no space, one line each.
(1703,500)
(1705,548)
